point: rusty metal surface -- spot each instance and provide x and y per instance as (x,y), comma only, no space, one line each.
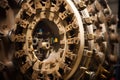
(58,40)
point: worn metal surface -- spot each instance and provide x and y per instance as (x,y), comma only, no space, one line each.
(61,40)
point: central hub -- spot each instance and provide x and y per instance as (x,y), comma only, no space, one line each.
(46,38)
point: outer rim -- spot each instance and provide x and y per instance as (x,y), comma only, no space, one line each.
(81,36)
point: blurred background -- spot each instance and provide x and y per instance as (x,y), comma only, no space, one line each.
(115,7)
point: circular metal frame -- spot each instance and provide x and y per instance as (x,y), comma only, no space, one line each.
(67,20)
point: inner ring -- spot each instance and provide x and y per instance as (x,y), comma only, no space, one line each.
(46,38)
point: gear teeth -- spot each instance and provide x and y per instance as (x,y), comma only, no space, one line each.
(78,44)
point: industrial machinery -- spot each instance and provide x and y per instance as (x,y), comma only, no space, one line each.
(58,40)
